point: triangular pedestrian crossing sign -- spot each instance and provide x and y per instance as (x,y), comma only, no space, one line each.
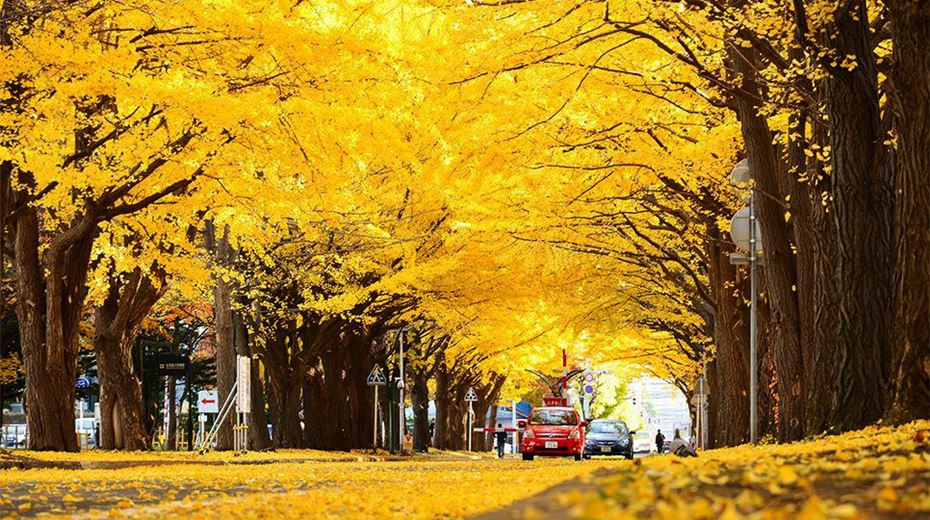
(376,377)
(470,395)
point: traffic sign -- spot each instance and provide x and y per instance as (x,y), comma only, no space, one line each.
(82,382)
(208,401)
(376,377)
(244,378)
(470,395)
(588,389)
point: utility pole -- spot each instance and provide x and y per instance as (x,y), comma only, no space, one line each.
(753,311)
(401,405)
(749,240)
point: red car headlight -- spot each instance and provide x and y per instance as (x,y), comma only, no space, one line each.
(528,434)
(575,434)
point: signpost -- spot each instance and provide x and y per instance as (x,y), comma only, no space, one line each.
(587,391)
(747,234)
(172,364)
(470,398)
(243,402)
(208,401)
(376,378)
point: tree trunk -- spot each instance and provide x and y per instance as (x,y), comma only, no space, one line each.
(259,438)
(223,325)
(909,386)
(285,389)
(420,398)
(116,326)
(50,297)
(862,206)
(731,357)
(171,436)
(779,268)
(441,433)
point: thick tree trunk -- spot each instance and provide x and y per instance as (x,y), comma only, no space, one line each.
(116,327)
(50,297)
(341,413)
(862,208)
(731,357)
(223,325)
(769,412)
(442,400)
(908,394)
(814,238)
(420,399)
(781,279)
(122,425)
(259,439)
(285,389)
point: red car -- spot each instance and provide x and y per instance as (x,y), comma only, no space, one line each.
(553,431)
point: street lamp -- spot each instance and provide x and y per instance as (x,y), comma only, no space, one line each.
(747,235)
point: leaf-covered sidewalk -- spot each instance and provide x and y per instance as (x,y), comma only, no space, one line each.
(872,473)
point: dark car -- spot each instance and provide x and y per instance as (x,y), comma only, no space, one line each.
(608,437)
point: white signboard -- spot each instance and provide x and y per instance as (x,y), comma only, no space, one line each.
(244,377)
(470,395)
(208,401)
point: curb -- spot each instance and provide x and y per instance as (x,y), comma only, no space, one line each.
(23,463)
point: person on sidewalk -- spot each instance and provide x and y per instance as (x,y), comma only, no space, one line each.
(500,436)
(660,442)
(680,447)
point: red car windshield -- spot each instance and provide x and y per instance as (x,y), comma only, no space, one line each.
(554,418)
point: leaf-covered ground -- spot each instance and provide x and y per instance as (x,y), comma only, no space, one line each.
(873,473)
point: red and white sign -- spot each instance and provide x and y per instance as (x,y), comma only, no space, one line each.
(208,401)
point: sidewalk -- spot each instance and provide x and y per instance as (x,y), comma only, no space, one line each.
(93,459)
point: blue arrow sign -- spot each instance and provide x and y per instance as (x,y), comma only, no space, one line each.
(376,377)
(82,382)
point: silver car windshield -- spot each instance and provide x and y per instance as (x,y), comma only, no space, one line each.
(609,427)
(554,418)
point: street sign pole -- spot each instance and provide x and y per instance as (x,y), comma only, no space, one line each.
(471,414)
(376,378)
(513,424)
(190,410)
(401,405)
(753,311)
(470,398)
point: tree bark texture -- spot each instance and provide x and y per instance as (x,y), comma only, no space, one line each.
(862,209)
(908,395)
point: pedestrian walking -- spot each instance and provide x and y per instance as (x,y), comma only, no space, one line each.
(500,436)
(432,431)
(660,441)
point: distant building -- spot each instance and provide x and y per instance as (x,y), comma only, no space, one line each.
(661,405)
